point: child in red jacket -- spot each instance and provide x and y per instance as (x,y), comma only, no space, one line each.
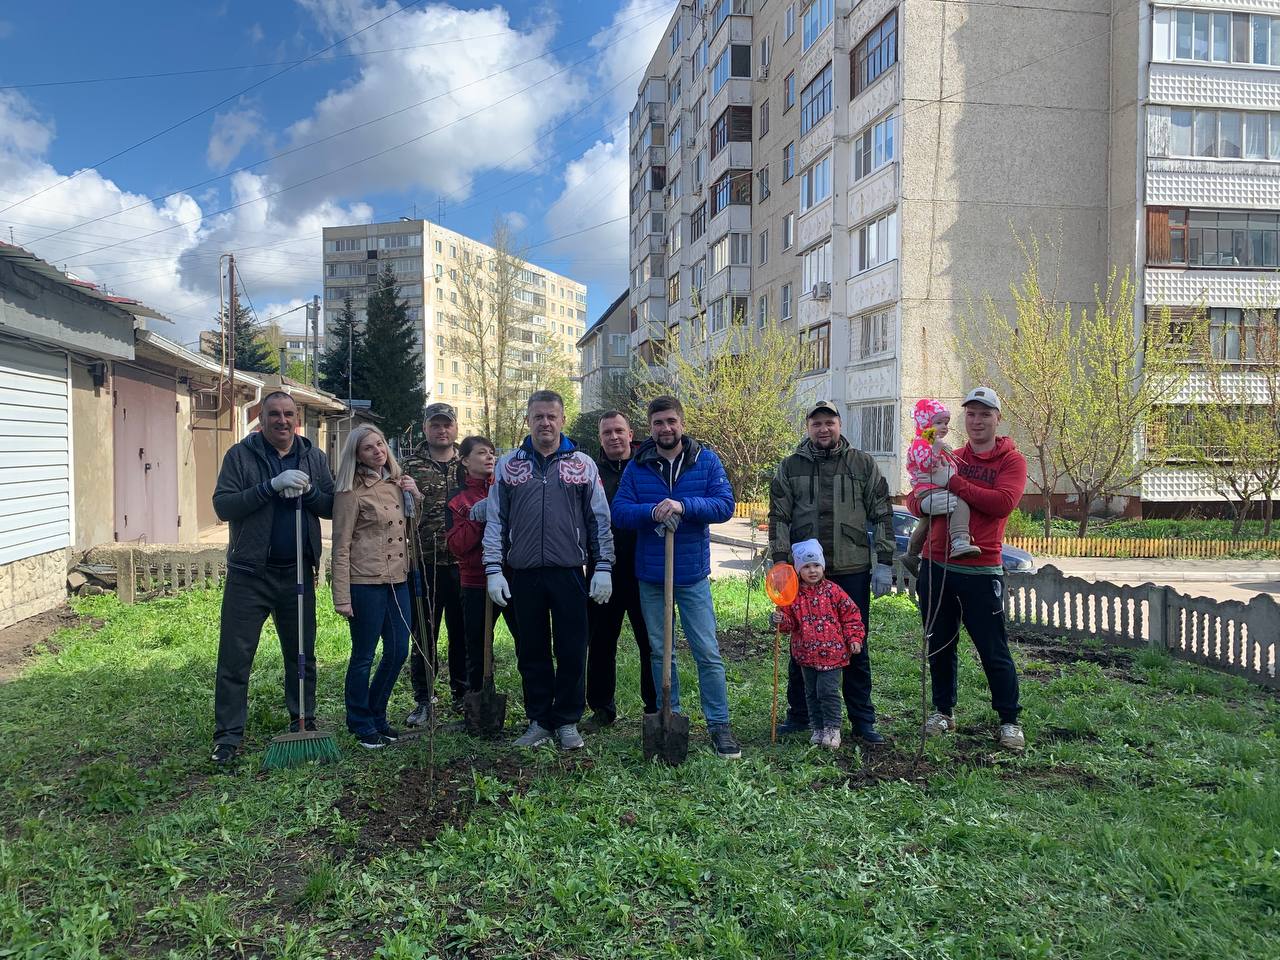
(826,629)
(465,532)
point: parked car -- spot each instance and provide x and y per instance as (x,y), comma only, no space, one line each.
(1015,560)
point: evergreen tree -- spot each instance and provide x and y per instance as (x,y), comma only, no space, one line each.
(252,353)
(343,334)
(391,360)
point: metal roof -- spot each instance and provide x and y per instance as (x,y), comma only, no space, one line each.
(29,261)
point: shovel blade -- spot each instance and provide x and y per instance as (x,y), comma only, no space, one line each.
(675,740)
(484,713)
(651,735)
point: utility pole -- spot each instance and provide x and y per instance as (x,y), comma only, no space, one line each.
(230,350)
(313,314)
(350,347)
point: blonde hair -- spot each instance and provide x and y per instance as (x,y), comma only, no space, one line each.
(349,460)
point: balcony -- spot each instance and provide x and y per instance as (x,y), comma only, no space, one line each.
(1213,288)
(729,281)
(736,154)
(735,218)
(653,288)
(737,92)
(872,288)
(1212,183)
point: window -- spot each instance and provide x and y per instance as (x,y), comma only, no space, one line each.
(875,53)
(816,18)
(698,223)
(740,310)
(740,249)
(698,278)
(1233,334)
(784,304)
(789,23)
(788,231)
(732,126)
(876,243)
(618,344)
(715,316)
(676,36)
(788,161)
(700,57)
(1216,37)
(439,247)
(1211,238)
(815,348)
(873,148)
(789,92)
(1222,133)
(673,287)
(762,175)
(815,183)
(676,191)
(873,426)
(398,241)
(766,51)
(719,254)
(735,61)
(762,311)
(764,118)
(763,257)
(673,236)
(816,266)
(699,167)
(345,245)
(657,221)
(869,335)
(453,251)
(673,142)
(673,88)
(815,100)
(733,187)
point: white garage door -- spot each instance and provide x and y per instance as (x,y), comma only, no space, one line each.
(35,453)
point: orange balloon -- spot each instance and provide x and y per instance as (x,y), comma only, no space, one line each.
(781,584)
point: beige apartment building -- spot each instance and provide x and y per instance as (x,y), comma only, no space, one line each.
(855,170)
(428,260)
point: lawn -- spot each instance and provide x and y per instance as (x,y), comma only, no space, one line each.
(1142,822)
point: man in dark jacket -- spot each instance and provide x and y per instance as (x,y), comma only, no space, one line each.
(265,480)
(604,621)
(675,487)
(830,492)
(434,466)
(545,519)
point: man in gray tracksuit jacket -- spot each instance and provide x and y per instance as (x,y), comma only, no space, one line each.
(546,518)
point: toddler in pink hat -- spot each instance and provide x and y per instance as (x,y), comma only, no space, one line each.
(930,465)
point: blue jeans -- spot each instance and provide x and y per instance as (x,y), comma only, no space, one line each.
(698,617)
(381,610)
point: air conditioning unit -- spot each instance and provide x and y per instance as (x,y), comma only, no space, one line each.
(822,290)
(763,72)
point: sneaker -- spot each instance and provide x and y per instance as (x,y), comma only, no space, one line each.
(310,726)
(569,737)
(370,741)
(911,564)
(788,727)
(815,738)
(535,736)
(722,739)
(597,722)
(963,548)
(870,736)
(223,754)
(390,735)
(1011,737)
(938,724)
(831,739)
(420,716)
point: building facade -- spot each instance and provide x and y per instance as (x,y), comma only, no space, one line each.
(430,261)
(604,356)
(857,172)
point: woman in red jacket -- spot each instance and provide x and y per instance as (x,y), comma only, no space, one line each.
(465,533)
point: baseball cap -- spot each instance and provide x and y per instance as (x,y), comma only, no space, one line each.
(440,410)
(825,406)
(983,395)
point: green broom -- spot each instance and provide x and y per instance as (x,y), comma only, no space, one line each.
(314,746)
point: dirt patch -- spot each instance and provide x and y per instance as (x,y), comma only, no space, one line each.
(1063,735)
(1115,663)
(420,805)
(740,644)
(18,642)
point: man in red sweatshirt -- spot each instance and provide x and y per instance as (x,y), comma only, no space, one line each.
(990,476)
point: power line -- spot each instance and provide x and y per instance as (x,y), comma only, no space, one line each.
(223,101)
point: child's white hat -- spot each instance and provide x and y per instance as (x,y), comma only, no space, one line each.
(808,551)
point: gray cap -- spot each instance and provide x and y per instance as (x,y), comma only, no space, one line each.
(439,410)
(823,406)
(983,395)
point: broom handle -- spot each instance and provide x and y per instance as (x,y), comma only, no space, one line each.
(773,714)
(302,656)
(488,639)
(668,618)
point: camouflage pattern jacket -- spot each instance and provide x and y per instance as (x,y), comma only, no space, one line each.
(439,483)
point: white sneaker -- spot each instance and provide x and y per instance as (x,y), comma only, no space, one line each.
(535,736)
(1011,737)
(938,724)
(815,738)
(964,548)
(832,740)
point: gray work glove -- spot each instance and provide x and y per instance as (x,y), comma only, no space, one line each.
(881,579)
(499,592)
(601,586)
(290,483)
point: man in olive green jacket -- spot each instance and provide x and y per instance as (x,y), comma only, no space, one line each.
(831,492)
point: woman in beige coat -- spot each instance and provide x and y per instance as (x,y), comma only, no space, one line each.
(370,576)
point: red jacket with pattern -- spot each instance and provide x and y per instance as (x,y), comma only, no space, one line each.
(824,625)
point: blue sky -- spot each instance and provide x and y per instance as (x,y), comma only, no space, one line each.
(513,110)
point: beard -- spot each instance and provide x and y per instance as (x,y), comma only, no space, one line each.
(665,445)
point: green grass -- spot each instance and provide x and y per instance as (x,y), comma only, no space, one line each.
(1142,822)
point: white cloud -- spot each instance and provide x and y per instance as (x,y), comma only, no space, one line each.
(231,132)
(255,34)
(640,26)
(516,221)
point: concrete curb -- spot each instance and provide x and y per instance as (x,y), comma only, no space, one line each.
(761,544)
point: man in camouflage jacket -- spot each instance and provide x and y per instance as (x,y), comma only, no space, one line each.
(434,465)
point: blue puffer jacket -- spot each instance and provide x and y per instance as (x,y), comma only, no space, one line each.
(701,486)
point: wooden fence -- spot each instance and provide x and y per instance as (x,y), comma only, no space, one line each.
(145,573)
(756,512)
(1133,547)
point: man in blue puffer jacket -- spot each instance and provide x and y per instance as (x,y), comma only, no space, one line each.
(675,487)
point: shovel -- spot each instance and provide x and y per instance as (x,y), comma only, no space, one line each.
(667,734)
(484,711)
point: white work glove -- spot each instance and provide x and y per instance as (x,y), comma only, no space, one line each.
(499,592)
(290,483)
(480,510)
(881,579)
(601,587)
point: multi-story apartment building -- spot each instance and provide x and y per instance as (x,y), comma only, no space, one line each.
(429,261)
(858,175)
(604,353)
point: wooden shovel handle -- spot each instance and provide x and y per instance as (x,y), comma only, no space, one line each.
(668,614)
(488,639)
